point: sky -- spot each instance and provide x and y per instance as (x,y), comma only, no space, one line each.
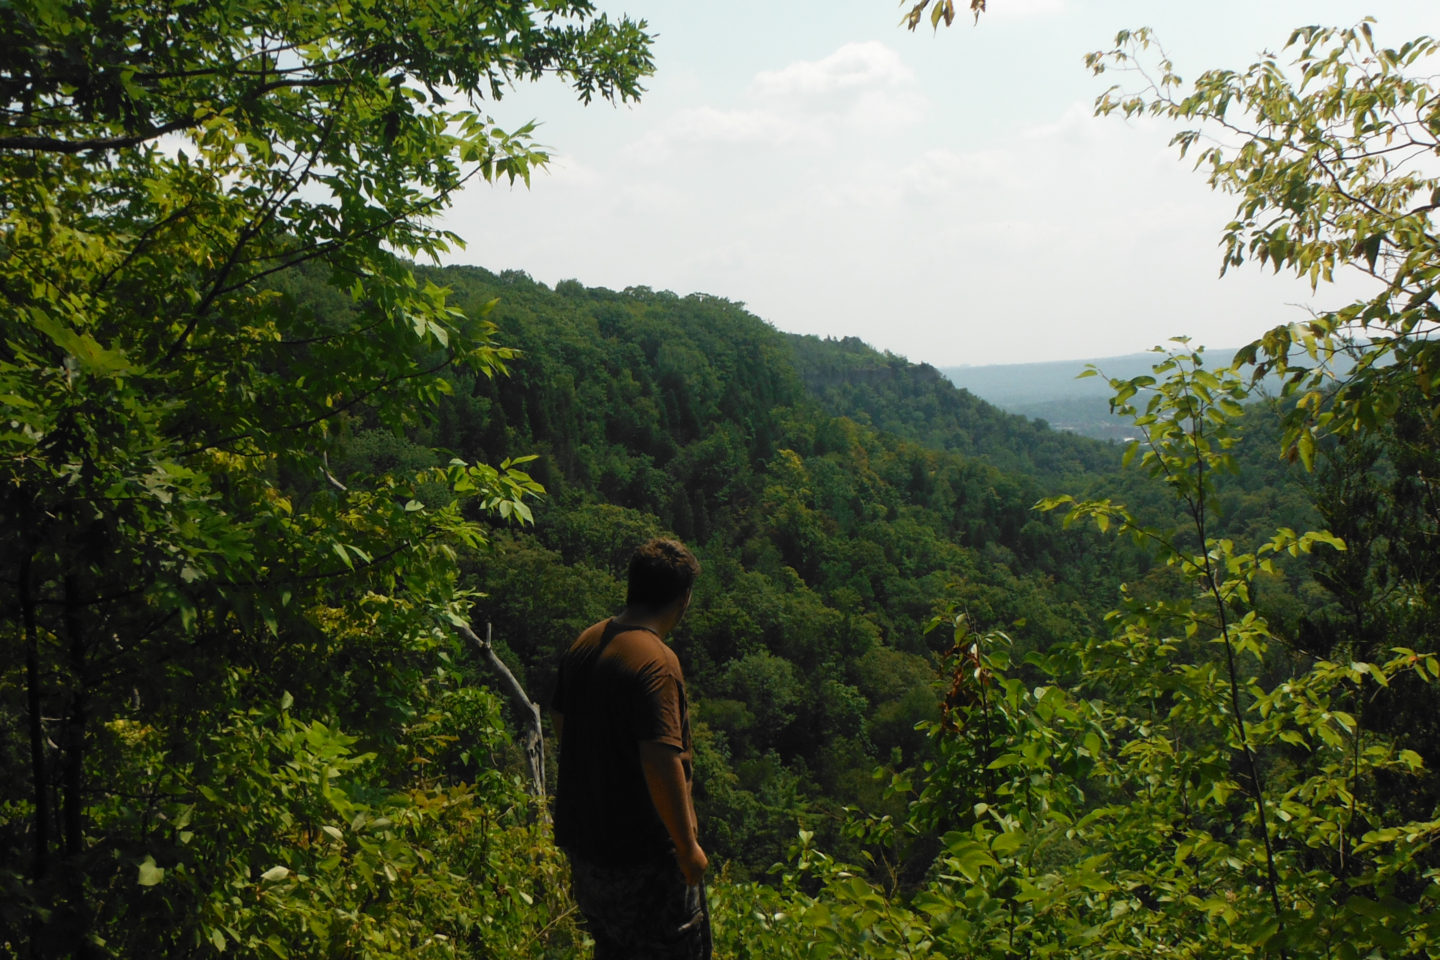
(948,197)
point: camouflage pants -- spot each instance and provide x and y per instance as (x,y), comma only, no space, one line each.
(645,912)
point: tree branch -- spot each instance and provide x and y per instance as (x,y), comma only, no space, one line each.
(533,738)
(60,145)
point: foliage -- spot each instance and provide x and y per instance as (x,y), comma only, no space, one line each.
(1180,784)
(941,10)
(236,506)
(1196,780)
(177,180)
(917,403)
(1331,159)
(280,841)
(1269,776)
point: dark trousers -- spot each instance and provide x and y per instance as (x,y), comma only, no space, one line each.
(641,912)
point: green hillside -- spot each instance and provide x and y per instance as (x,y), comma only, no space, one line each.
(920,403)
(828,540)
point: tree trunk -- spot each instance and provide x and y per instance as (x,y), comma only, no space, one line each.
(76,914)
(40,862)
(74,763)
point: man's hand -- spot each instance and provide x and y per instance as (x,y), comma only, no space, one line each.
(693,863)
(665,777)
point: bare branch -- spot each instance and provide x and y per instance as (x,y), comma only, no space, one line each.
(533,738)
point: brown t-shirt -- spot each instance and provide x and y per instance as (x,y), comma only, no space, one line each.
(616,687)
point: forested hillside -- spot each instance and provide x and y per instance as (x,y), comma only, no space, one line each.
(919,403)
(828,542)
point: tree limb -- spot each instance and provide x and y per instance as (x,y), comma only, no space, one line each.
(46,144)
(533,737)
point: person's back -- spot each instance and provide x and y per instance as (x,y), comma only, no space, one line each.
(620,687)
(623,812)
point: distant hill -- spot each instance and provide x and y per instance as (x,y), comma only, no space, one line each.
(919,403)
(1051,392)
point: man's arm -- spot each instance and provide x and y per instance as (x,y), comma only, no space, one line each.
(665,776)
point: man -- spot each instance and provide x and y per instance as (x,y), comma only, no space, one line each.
(623,811)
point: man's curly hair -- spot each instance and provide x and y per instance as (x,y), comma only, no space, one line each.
(661,572)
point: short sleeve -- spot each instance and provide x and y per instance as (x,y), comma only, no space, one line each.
(661,708)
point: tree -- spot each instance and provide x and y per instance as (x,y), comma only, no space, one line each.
(1330,157)
(178,182)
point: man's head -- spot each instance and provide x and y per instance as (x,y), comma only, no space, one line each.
(661,572)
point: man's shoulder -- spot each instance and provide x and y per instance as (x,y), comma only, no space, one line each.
(589,638)
(642,653)
(630,651)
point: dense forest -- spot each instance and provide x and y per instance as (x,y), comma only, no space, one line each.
(827,543)
(277,500)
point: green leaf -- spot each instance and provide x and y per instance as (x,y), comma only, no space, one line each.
(1369,248)
(971,862)
(1005,844)
(82,346)
(149,873)
(1305,447)
(1365,907)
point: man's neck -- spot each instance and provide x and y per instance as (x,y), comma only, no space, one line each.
(660,622)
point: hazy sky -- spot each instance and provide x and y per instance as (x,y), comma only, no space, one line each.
(946,197)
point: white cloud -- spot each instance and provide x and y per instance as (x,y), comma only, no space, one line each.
(855,66)
(945,172)
(1077,124)
(709,125)
(566,171)
(705,129)
(861,90)
(949,197)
